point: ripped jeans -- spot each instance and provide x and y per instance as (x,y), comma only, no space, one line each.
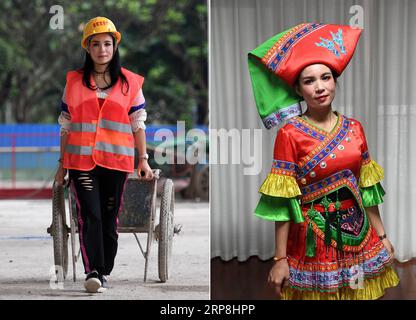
(98,195)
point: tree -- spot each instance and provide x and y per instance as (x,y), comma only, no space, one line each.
(163,40)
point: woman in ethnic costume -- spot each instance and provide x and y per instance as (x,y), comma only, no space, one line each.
(324,189)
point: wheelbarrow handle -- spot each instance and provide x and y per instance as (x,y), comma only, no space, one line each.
(156,173)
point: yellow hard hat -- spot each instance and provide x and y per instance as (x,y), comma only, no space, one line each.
(99,25)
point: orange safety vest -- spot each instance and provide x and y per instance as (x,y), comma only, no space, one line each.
(100,136)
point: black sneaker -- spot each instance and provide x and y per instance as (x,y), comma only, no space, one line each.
(92,282)
(104,282)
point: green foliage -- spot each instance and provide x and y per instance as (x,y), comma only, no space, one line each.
(165,41)
(6,56)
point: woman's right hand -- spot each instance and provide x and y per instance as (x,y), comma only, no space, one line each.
(387,244)
(279,276)
(60,175)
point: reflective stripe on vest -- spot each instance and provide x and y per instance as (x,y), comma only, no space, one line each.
(113,148)
(80,150)
(83,127)
(115,126)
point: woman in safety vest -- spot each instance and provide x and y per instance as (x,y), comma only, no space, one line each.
(102,120)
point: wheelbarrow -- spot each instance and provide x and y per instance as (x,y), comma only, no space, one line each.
(137,216)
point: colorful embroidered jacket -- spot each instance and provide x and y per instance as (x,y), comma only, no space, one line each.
(310,163)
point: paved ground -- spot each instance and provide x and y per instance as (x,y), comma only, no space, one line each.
(26,258)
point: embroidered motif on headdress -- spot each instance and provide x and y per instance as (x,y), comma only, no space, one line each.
(330,44)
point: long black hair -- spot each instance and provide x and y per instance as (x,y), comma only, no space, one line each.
(114,67)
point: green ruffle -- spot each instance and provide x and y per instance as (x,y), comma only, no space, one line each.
(372,196)
(279,209)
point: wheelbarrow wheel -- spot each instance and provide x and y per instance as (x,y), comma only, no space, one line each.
(59,233)
(166,229)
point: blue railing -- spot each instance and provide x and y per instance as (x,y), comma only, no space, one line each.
(32,146)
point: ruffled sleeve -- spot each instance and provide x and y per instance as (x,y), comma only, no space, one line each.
(280,190)
(279,209)
(280,185)
(372,196)
(370,173)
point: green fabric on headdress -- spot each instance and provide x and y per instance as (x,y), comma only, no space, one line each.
(275,100)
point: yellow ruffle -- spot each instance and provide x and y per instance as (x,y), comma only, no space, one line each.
(370,174)
(277,185)
(373,289)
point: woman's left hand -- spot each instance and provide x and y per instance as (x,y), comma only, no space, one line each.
(387,244)
(145,168)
